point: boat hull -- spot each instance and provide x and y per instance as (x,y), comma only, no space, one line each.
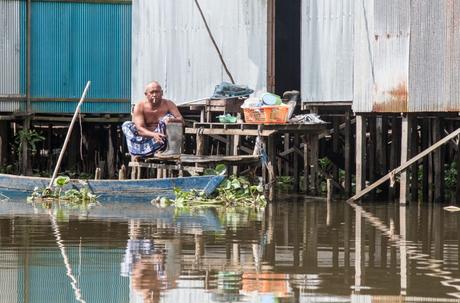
(150,188)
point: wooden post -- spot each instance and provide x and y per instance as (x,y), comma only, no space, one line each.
(382,148)
(236,148)
(360,153)
(306,166)
(370,155)
(271,153)
(286,148)
(438,163)
(329,191)
(97,174)
(394,153)
(110,155)
(425,162)
(414,151)
(348,157)
(405,146)
(314,155)
(335,148)
(122,173)
(295,165)
(4,127)
(199,144)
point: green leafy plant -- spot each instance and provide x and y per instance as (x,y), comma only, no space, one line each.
(234,191)
(31,137)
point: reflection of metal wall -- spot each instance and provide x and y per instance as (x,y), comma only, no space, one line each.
(11,60)
(327,50)
(406,56)
(171,45)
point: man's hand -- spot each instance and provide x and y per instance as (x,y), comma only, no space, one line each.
(160,138)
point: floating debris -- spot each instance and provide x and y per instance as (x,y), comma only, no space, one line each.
(452,208)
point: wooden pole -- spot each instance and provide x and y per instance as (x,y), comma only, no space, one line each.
(69,132)
(405,143)
(348,139)
(405,165)
(360,153)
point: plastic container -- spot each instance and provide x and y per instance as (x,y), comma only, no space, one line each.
(266,114)
(271,99)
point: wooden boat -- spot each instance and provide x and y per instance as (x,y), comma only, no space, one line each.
(115,189)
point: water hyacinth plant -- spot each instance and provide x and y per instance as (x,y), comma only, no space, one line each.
(70,196)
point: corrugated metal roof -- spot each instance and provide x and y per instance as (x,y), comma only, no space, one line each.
(10,46)
(435,56)
(171,45)
(327,50)
(76,42)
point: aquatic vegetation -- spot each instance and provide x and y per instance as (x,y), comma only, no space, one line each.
(76,197)
(233,192)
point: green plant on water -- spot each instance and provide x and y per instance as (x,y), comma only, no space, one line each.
(233,192)
(450,175)
(284,183)
(73,197)
(31,137)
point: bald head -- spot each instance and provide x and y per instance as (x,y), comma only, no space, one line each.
(153,92)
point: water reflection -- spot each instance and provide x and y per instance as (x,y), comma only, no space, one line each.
(295,250)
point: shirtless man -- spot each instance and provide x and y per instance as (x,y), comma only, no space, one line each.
(146,134)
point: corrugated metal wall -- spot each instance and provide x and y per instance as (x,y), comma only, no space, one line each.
(76,42)
(434,80)
(11,60)
(327,50)
(406,56)
(171,45)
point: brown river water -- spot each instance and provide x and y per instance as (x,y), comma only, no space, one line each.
(294,250)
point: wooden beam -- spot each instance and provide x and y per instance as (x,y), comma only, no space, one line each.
(360,153)
(404,166)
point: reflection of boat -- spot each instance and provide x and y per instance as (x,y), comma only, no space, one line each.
(147,188)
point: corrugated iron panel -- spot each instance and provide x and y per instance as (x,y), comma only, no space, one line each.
(171,45)
(87,107)
(363,63)
(327,50)
(10,47)
(391,55)
(12,106)
(76,42)
(435,56)
(388,51)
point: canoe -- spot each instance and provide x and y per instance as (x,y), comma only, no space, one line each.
(107,189)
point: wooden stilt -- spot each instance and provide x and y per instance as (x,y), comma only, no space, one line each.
(295,165)
(236,148)
(271,153)
(370,155)
(122,173)
(394,153)
(405,146)
(4,126)
(306,161)
(360,153)
(438,163)
(425,163)
(314,162)
(335,148)
(382,148)
(286,148)
(414,151)
(348,156)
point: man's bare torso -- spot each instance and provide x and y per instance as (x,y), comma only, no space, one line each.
(153,113)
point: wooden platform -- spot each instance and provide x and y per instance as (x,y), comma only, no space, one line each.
(193,164)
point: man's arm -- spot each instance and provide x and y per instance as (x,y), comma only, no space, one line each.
(172,108)
(138,119)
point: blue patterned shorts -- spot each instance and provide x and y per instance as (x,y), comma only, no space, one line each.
(141,146)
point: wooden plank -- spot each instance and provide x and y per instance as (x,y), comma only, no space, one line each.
(296,169)
(438,161)
(306,166)
(228,132)
(404,166)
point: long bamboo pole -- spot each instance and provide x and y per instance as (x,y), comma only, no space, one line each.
(404,166)
(69,132)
